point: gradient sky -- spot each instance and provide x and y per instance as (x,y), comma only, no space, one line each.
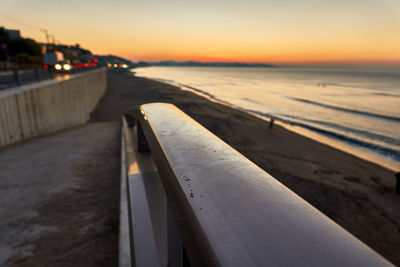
(275,31)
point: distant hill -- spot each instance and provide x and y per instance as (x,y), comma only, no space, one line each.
(113,59)
(119,60)
(210,64)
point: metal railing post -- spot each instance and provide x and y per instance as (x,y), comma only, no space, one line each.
(142,143)
(17,78)
(37,75)
(175,244)
(50,73)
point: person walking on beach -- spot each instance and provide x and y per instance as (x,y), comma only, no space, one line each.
(271,123)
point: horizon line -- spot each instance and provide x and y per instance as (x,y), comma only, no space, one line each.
(361,62)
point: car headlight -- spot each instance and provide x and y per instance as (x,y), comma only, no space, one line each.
(58,67)
(67,67)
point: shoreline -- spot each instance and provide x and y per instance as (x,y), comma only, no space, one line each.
(358,151)
(354,150)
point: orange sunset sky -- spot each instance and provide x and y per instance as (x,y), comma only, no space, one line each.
(270,31)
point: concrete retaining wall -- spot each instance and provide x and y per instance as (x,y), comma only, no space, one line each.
(45,107)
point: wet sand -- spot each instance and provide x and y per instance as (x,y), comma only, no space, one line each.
(357,194)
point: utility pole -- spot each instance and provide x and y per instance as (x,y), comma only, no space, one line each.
(47,37)
(53,41)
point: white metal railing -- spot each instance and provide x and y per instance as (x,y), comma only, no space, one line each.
(189,188)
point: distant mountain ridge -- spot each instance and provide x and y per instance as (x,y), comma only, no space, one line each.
(209,64)
(114,59)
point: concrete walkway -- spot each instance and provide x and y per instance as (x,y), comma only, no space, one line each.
(61,190)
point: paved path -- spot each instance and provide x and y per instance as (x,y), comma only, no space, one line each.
(59,198)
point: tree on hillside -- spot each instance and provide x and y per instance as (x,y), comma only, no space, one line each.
(4,39)
(24,46)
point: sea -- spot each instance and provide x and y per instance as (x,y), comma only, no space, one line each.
(353,108)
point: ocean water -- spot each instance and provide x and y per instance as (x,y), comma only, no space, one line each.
(359,106)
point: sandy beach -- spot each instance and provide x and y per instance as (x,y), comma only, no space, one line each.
(357,194)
